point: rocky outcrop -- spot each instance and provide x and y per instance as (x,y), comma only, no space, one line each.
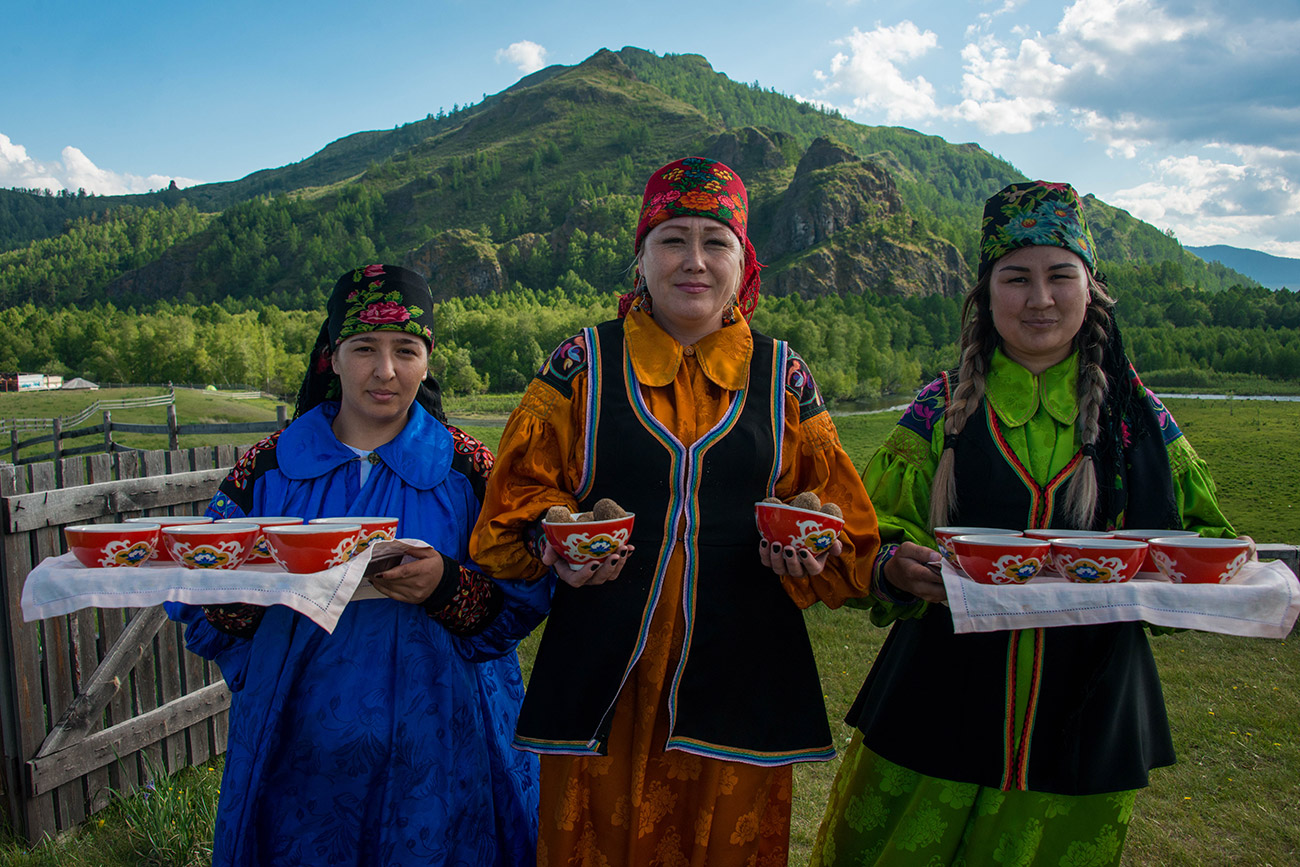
(864,261)
(750,150)
(457,263)
(832,190)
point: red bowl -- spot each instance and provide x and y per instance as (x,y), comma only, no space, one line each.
(579,544)
(797,528)
(261,550)
(210,546)
(313,547)
(1048,534)
(1193,560)
(99,545)
(994,559)
(372,529)
(160,552)
(1098,561)
(1149,565)
(943,537)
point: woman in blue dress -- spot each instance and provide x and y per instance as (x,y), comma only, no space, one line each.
(388,740)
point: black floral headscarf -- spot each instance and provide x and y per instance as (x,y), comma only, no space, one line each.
(370,298)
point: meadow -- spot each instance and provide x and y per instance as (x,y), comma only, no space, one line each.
(1234,703)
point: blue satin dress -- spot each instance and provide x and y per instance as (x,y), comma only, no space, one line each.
(386,742)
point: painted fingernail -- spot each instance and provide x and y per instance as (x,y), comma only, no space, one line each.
(613,560)
(595,566)
(803,555)
(776,546)
(789,552)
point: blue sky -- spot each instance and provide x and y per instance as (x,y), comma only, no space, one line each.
(1186,113)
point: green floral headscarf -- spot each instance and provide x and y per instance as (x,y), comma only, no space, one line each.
(1034,214)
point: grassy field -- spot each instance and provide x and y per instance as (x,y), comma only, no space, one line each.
(1234,703)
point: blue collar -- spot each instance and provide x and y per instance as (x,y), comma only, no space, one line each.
(420,455)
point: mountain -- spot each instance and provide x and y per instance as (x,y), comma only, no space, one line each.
(538,187)
(1275,272)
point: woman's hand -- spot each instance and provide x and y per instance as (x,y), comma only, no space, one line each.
(790,563)
(1254,552)
(411,582)
(591,573)
(915,569)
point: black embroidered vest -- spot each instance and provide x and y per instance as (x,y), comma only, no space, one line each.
(1087,716)
(746,685)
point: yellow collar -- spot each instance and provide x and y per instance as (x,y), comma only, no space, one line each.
(723,356)
(1015,393)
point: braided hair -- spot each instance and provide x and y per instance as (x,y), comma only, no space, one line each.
(979,339)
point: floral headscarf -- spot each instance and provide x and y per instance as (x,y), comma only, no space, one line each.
(370,298)
(1032,214)
(697,187)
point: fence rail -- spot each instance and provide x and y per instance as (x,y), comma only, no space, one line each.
(16,424)
(173,429)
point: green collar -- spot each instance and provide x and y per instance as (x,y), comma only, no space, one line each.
(1015,393)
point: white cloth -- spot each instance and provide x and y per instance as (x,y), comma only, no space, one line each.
(61,585)
(1262,601)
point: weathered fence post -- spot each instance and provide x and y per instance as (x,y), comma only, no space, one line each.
(173,433)
(13,446)
(57,424)
(108,430)
(282,416)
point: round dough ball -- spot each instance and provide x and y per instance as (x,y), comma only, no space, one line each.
(807,500)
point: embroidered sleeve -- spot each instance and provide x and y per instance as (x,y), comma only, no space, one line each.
(236,490)
(239,619)
(471,459)
(469,604)
(926,411)
(567,361)
(800,384)
(1168,427)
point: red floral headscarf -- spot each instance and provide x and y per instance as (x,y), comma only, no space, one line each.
(697,187)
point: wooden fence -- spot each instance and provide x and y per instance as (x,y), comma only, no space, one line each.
(173,429)
(97,699)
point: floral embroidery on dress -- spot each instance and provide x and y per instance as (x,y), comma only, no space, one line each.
(1168,427)
(567,361)
(926,410)
(239,619)
(480,456)
(243,470)
(800,383)
(476,602)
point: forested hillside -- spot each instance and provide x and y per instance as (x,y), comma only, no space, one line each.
(520,208)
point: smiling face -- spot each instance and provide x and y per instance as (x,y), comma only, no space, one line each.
(1038,297)
(379,374)
(692,267)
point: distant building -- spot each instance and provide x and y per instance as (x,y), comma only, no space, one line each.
(77,382)
(29,381)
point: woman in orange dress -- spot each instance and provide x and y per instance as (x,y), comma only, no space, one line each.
(675,685)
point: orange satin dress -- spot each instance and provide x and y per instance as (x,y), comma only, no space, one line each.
(640,804)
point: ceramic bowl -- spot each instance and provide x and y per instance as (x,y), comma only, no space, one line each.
(1048,534)
(160,552)
(372,529)
(313,547)
(943,537)
(261,550)
(1098,561)
(580,544)
(210,546)
(797,528)
(99,545)
(1193,560)
(1149,565)
(994,559)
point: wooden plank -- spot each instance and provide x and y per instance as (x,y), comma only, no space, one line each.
(123,776)
(106,680)
(126,427)
(83,638)
(19,672)
(193,675)
(102,748)
(228,428)
(52,508)
(99,469)
(169,642)
(145,674)
(82,432)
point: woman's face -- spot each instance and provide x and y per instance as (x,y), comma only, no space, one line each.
(380,373)
(1038,297)
(692,267)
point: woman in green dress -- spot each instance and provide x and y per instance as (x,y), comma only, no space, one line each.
(1016,747)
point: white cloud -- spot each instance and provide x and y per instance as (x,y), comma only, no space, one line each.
(869,76)
(1108,27)
(75,171)
(527,56)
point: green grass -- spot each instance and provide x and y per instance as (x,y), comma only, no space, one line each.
(1234,703)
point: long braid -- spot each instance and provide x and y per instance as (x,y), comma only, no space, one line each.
(1082,492)
(978,343)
